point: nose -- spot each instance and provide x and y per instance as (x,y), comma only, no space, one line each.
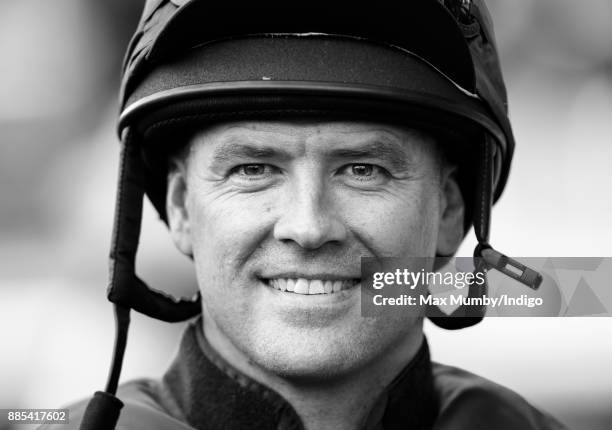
(309,217)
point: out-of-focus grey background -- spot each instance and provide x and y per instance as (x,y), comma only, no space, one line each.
(59,75)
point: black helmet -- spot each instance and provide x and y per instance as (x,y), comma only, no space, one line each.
(431,64)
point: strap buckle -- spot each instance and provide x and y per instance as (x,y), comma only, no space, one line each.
(508,266)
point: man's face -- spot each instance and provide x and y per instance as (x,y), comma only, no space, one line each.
(269,207)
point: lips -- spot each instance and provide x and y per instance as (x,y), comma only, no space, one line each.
(311,286)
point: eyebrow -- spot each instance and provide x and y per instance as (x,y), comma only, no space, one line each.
(234,149)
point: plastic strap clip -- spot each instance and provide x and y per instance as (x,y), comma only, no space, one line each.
(511,267)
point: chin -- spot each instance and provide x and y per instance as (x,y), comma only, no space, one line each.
(313,356)
(308,367)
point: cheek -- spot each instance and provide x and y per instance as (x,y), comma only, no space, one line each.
(403,222)
(225,231)
(225,234)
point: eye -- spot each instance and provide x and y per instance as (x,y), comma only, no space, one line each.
(255,174)
(252,170)
(363,172)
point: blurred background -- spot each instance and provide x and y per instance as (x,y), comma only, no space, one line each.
(59,76)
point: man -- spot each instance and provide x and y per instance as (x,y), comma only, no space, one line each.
(281,145)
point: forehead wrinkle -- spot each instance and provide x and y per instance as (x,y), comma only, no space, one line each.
(245,132)
(281,132)
(408,142)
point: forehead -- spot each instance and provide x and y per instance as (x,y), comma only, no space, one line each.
(300,137)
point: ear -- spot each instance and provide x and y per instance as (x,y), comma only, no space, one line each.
(176,209)
(452,212)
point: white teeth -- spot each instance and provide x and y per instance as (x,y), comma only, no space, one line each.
(290,284)
(301,286)
(328,287)
(308,287)
(316,287)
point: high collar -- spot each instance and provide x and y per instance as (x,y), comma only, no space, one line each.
(209,393)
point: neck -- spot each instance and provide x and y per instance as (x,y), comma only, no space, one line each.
(340,402)
(350,401)
(341,405)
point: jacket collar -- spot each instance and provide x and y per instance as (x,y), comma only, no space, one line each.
(211,394)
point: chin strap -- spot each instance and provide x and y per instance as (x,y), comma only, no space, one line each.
(485,257)
(126,289)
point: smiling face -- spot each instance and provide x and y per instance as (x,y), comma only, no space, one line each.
(277,216)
